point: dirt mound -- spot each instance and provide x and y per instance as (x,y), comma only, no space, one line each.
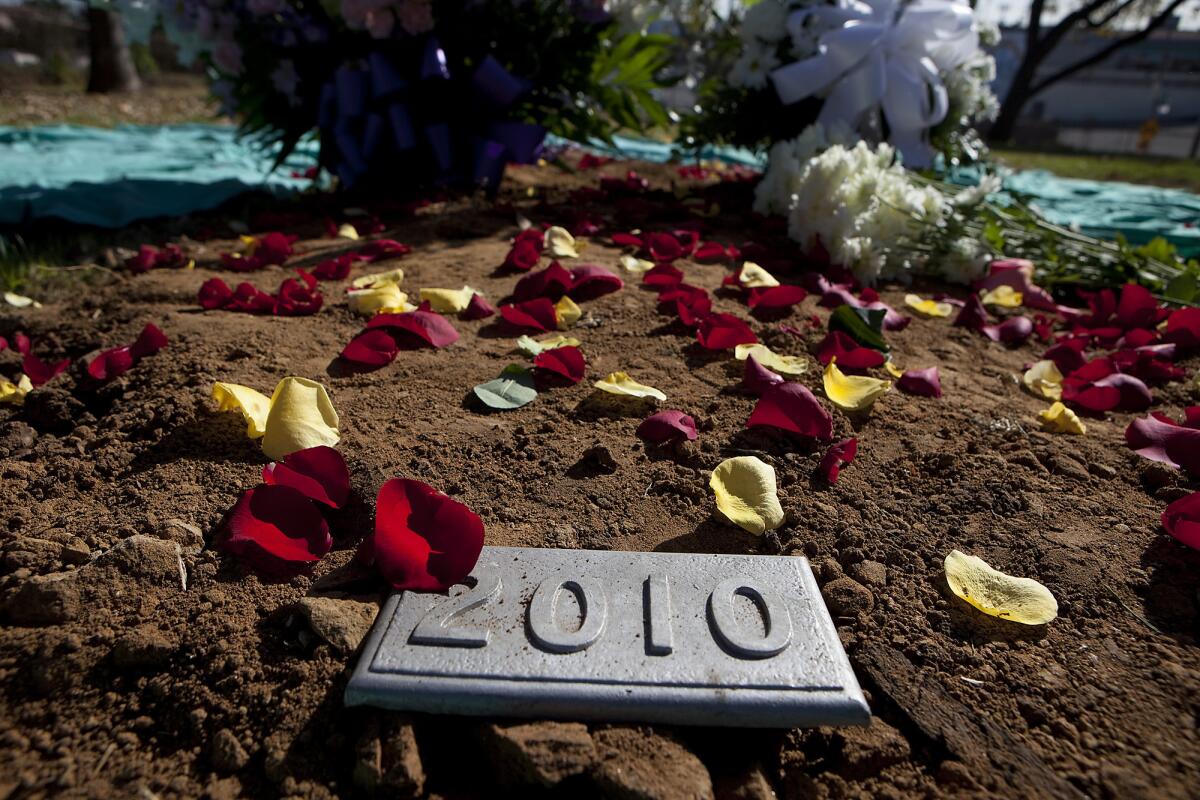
(136,661)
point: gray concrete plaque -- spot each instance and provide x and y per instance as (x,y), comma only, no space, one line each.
(682,638)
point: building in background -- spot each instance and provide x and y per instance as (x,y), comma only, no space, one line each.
(1144,99)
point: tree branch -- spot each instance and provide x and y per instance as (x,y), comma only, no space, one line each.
(1111,15)
(1105,52)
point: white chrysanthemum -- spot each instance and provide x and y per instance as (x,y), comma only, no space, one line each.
(965,261)
(753,66)
(974,195)
(786,160)
(858,203)
(765,20)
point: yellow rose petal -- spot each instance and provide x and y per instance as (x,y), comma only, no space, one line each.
(254,405)
(1003,296)
(395,276)
(752,276)
(745,492)
(1060,419)
(636,265)
(620,383)
(567,313)
(893,370)
(560,243)
(448,301)
(20,300)
(400,309)
(377,298)
(347,231)
(1044,380)
(787,365)
(14,393)
(928,308)
(532,347)
(1021,600)
(852,392)
(301,416)
(249,244)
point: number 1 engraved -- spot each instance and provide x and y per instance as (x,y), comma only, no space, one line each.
(435,627)
(656,601)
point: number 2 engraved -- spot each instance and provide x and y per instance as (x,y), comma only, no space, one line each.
(732,635)
(435,627)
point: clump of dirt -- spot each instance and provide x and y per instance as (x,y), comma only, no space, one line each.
(136,660)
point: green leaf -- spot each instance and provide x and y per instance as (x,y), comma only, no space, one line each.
(1159,249)
(1182,288)
(513,389)
(863,325)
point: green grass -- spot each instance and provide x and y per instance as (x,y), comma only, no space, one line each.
(1178,173)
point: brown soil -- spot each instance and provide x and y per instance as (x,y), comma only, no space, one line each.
(120,675)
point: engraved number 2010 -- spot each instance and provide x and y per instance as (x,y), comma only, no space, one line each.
(733,635)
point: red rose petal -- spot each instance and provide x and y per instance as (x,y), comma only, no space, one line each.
(662,277)
(792,407)
(1090,396)
(296,299)
(589,281)
(1181,519)
(276,530)
(22,344)
(274,248)
(1137,308)
(1183,328)
(319,473)
(710,253)
(757,379)
(524,255)
(538,314)
(110,364)
(3,343)
(565,361)
(39,371)
(723,332)
(215,293)
(428,326)
(334,269)
(1066,355)
(1167,442)
(1013,330)
(627,240)
(973,315)
(381,249)
(478,308)
(423,540)
(849,353)
(924,382)
(776,297)
(693,308)
(1132,394)
(1093,370)
(552,283)
(663,247)
(372,348)
(836,457)
(666,426)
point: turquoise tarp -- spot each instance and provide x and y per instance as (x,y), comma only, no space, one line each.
(111,177)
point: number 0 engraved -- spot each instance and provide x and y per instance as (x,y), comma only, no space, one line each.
(435,627)
(656,598)
(732,635)
(544,629)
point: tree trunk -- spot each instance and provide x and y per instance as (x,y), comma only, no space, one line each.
(1018,95)
(112,67)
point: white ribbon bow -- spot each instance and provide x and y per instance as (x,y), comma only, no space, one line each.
(880,53)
